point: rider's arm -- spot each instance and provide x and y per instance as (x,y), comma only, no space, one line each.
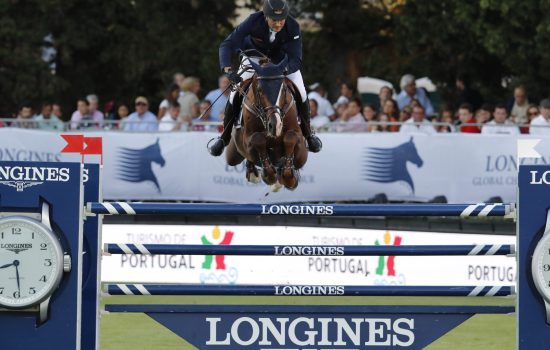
(234,42)
(293,48)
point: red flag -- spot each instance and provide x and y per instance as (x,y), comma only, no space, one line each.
(94,145)
(75,144)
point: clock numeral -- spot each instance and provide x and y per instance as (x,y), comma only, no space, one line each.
(546,267)
(16,295)
(2,235)
(33,235)
(32,290)
(1,290)
(43,278)
(43,246)
(16,230)
(47,262)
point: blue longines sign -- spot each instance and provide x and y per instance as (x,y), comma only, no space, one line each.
(229,327)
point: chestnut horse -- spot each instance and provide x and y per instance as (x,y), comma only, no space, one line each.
(269,137)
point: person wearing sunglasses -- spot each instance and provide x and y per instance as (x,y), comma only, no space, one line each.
(141,120)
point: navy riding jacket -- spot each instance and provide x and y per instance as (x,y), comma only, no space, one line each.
(254,33)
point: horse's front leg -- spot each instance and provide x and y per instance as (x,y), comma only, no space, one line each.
(257,146)
(252,173)
(289,176)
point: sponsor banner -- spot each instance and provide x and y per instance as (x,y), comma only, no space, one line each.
(176,166)
(302,270)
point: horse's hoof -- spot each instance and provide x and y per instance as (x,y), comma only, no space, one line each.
(253,178)
(276,187)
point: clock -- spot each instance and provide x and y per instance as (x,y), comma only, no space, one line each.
(31,261)
(540,268)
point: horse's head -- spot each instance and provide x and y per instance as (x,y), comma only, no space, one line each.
(269,86)
(154,155)
(412,152)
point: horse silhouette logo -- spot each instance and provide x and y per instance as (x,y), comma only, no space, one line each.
(135,165)
(386,165)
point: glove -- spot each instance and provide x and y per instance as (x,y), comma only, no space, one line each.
(234,77)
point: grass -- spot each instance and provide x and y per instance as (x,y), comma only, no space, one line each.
(139,332)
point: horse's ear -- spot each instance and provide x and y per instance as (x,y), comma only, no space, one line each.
(256,66)
(411,140)
(158,139)
(283,65)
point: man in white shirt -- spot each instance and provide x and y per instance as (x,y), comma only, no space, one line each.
(324,105)
(418,123)
(541,124)
(170,120)
(500,124)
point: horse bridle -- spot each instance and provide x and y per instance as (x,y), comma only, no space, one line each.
(263,113)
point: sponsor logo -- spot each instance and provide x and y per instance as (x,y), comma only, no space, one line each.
(135,165)
(539,179)
(298,332)
(222,273)
(309,290)
(297,209)
(308,251)
(16,247)
(23,177)
(386,264)
(388,165)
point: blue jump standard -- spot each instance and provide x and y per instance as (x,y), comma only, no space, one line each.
(306,290)
(293,250)
(317,210)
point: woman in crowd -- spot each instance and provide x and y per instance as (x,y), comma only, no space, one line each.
(121,114)
(171,96)
(370,115)
(391,110)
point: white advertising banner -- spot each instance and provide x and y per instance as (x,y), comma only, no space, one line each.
(348,270)
(176,166)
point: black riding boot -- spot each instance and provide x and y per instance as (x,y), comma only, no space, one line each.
(313,142)
(228,120)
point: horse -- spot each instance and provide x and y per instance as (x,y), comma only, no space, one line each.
(270,136)
(135,165)
(386,165)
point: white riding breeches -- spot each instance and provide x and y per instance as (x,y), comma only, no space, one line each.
(295,77)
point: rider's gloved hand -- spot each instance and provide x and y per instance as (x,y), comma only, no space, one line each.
(234,77)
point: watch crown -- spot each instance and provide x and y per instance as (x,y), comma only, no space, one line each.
(66,263)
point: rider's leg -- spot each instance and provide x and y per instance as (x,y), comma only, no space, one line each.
(314,144)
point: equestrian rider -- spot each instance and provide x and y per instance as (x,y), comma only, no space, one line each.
(273,33)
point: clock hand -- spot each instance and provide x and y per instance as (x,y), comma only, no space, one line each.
(16,264)
(7,265)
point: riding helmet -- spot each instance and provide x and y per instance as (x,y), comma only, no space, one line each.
(276,9)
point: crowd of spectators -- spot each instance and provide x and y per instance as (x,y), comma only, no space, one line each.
(409,111)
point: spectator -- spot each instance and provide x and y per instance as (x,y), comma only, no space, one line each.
(171,97)
(466,116)
(81,118)
(57,111)
(409,92)
(141,119)
(385,94)
(391,109)
(483,115)
(94,112)
(352,120)
(46,120)
(446,117)
(347,92)
(25,118)
(318,94)
(418,123)
(500,123)
(519,105)
(223,93)
(170,120)
(405,114)
(384,118)
(532,112)
(370,114)
(541,124)
(465,94)
(204,107)
(121,115)
(317,121)
(178,80)
(109,113)
(189,99)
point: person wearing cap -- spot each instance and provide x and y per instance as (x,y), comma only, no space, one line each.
(276,34)
(409,92)
(541,124)
(141,119)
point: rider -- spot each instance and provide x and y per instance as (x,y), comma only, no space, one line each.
(273,33)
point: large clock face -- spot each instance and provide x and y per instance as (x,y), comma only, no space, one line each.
(31,262)
(541,267)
